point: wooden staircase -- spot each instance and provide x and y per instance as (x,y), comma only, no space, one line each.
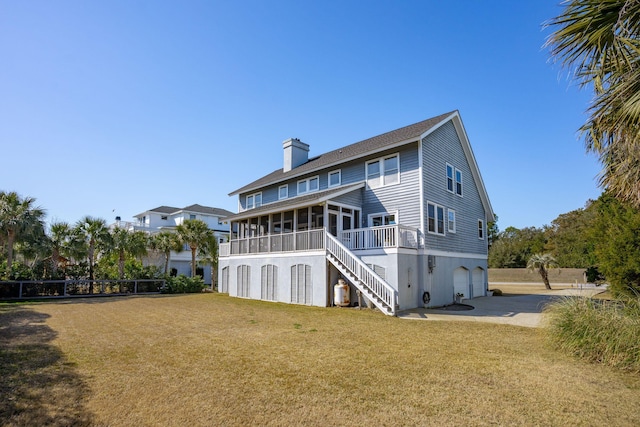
(372,286)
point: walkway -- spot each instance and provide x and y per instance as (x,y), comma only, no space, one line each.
(518,310)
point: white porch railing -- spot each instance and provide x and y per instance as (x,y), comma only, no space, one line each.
(288,242)
(376,289)
(387,236)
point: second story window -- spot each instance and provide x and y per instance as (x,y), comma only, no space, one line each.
(254,201)
(283,192)
(435,214)
(335,178)
(192,216)
(383,171)
(454,180)
(451,221)
(308,185)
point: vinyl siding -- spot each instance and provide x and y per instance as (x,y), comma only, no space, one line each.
(439,148)
(402,197)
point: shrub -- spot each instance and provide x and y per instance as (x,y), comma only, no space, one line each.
(594,275)
(182,284)
(600,331)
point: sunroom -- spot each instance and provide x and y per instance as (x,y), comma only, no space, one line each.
(300,224)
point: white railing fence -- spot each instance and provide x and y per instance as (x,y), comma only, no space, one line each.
(288,242)
(387,236)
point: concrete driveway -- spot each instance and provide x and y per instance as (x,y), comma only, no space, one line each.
(518,310)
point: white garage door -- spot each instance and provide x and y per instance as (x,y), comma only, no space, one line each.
(477,277)
(461,282)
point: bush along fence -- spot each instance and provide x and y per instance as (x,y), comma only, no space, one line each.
(27,289)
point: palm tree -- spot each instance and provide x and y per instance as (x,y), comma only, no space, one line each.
(600,41)
(18,217)
(165,242)
(194,233)
(63,242)
(542,263)
(209,255)
(125,242)
(94,233)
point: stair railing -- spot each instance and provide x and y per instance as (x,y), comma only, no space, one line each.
(369,280)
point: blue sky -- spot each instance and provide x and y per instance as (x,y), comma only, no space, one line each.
(116,107)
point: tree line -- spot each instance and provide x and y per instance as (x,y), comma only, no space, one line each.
(603,238)
(90,249)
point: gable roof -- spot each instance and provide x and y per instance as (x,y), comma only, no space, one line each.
(223,213)
(415,132)
(359,149)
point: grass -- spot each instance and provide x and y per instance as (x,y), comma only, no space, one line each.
(209,359)
(598,330)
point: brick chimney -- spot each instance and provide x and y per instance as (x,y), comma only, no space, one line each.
(296,153)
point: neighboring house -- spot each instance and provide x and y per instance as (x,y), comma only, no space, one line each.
(402,217)
(167,218)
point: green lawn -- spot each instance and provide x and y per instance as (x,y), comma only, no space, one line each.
(208,359)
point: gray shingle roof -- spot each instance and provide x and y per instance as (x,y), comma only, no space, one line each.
(353,151)
(282,205)
(208,210)
(223,213)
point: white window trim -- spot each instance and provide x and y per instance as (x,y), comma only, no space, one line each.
(455,182)
(382,171)
(481,231)
(454,221)
(339,172)
(382,214)
(453,178)
(444,219)
(253,200)
(307,181)
(286,187)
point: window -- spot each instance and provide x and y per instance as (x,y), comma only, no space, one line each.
(449,178)
(435,214)
(254,201)
(454,175)
(480,229)
(192,216)
(451,221)
(164,217)
(383,171)
(314,184)
(376,220)
(308,185)
(283,192)
(335,178)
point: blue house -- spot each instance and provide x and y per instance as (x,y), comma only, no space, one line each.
(401,218)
